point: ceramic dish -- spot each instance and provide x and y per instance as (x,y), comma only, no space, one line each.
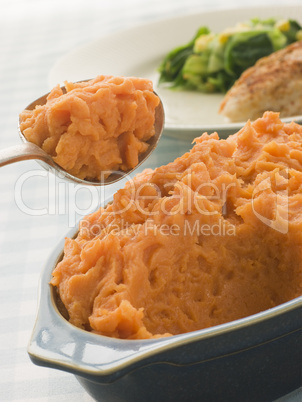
(257,358)
(138,52)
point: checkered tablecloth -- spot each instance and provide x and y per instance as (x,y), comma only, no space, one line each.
(36,208)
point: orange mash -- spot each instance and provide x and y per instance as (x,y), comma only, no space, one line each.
(96,126)
(212,237)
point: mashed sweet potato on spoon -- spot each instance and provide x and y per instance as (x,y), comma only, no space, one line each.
(214,236)
(96,127)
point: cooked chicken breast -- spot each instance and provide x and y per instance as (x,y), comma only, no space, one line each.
(273,83)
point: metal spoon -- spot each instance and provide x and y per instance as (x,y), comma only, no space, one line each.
(28,150)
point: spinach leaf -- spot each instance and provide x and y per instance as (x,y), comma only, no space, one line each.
(173,63)
(243,50)
(171,66)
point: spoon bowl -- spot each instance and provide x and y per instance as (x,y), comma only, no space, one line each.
(28,150)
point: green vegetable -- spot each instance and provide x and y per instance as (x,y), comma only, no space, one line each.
(212,62)
(243,50)
(174,61)
(291,34)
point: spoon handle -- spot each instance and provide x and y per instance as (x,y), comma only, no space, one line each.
(23,152)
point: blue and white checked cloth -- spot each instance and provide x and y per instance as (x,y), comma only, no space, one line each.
(37,210)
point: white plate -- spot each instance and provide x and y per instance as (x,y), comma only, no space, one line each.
(138,52)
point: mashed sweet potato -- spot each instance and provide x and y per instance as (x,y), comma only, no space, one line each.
(214,236)
(97,126)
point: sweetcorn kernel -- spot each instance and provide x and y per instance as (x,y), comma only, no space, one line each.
(223,37)
(202,42)
(240,27)
(283,25)
(299,35)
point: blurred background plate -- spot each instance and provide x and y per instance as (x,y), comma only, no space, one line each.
(138,51)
